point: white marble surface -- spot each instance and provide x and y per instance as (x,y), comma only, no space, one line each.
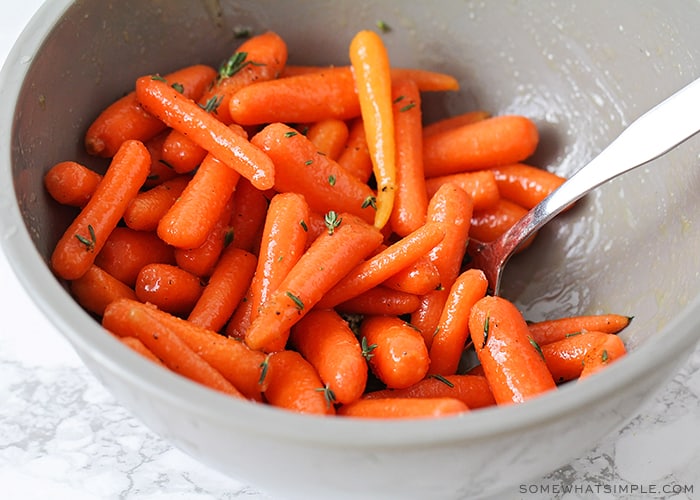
(63,436)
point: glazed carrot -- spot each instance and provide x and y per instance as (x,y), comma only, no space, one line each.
(455,121)
(186,116)
(386,263)
(82,241)
(398,355)
(371,70)
(259,58)
(160,171)
(316,227)
(293,384)
(551,330)
(379,301)
(419,278)
(145,211)
(129,318)
(126,252)
(472,390)
(355,156)
(327,342)
(326,261)
(224,290)
(95,289)
(180,153)
(201,260)
(195,213)
(524,184)
(480,185)
(125,119)
(602,355)
(297,99)
(487,224)
(403,408)
(564,357)
(495,141)
(70,183)
(248,217)
(515,369)
(452,332)
(301,169)
(452,207)
(329,136)
(137,346)
(411,199)
(168,287)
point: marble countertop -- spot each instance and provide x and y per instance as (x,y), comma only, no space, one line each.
(63,436)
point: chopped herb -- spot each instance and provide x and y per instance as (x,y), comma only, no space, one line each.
(303,225)
(383,26)
(487,326)
(442,379)
(212,104)
(264,367)
(367,349)
(291,133)
(234,64)
(328,395)
(297,301)
(573,334)
(437,330)
(604,356)
(228,237)
(320,153)
(308,162)
(89,242)
(158,78)
(332,221)
(537,347)
(408,106)
(331,180)
(399,99)
(179,87)
(370,201)
(242,32)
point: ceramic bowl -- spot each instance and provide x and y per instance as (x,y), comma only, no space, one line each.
(582,70)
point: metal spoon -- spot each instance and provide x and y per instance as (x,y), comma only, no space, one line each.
(656,132)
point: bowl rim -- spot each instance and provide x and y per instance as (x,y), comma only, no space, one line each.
(88,338)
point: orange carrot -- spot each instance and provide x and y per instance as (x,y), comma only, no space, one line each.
(386,263)
(125,119)
(452,332)
(160,171)
(486,143)
(301,169)
(329,136)
(95,289)
(328,259)
(564,357)
(186,116)
(512,362)
(480,185)
(403,408)
(71,183)
(168,287)
(371,70)
(248,217)
(145,211)
(293,384)
(328,343)
(453,122)
(139,347)
(180,153)
(126,252)
(82,241)
(524,184)
(297,99)
(355,157)
(397,353)
(419,278)
(379,301)
(551,330)
(195,213)
(472,390)
(601,355)
(487,224)
(411,201)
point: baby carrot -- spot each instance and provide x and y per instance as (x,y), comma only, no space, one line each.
(472,390)
(224,290)
(602,354)
(411,200)
(129,318)
(329,136)
(524,184)
(180,153)
(137,346)
(301,169)
(347,241)
(95,289)
(455,121)
(160,171)
(82,241)
(487,224)
(371,69)
(185,115)
(479,184)
(381,301)
(551,330)
(168,287)
(419,278)
(564,357)
(398,355)
(495,141)
(386,263)
(71,183)
(292,383)
(328,343)
(125,119)
(403,408)
(146,209)
(453,329)
(248,218)
(355,157)
(515,369)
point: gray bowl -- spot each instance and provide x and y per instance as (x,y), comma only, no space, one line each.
(581,70)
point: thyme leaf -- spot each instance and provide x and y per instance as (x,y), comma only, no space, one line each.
(89,241)
(297,301)
(332,221)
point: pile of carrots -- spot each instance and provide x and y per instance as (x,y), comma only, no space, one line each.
(296,236)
